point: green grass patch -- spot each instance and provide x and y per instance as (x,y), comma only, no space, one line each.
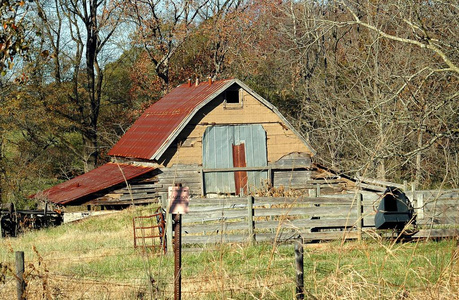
(95,259)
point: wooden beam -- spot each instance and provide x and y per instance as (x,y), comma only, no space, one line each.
(266,168)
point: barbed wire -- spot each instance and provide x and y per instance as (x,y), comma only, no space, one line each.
(239,287)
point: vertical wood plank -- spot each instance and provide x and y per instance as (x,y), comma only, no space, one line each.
(203,186)
(135,232)
(270,177)
(420,205)
(168,229)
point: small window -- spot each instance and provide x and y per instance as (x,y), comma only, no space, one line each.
(232,96)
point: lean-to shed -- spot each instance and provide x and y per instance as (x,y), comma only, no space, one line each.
(215,137)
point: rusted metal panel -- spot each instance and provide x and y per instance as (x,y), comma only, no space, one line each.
(96,180)
(157,125)
(240,177)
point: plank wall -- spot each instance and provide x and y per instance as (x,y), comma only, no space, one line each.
(187,149)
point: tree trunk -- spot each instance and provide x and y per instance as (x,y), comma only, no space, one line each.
(91,147)
(2,169)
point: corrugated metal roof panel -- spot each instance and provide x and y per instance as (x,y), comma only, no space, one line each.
(93,181)
(157,124)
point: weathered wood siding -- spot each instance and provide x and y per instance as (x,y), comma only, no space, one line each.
(328,217)
(230,219)
(140,191)
(149,189)
(187,149)
(436,207)
(291,173)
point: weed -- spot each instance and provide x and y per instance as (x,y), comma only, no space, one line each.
(84,261)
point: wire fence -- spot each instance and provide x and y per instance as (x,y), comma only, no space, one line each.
(110,271)
(151,277)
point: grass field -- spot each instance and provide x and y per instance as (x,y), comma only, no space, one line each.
(95,259)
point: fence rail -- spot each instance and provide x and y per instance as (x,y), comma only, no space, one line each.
(264,218)
(234,219)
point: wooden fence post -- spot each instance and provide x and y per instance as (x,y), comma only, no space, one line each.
(318,190)
(299,253)
(417,201)
(250,222)
(420,203)
(359,216)
(413,194)
(21,284)
(203,182)
(271,177)
(168,229)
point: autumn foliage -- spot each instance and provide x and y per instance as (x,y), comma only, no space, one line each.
(372,84)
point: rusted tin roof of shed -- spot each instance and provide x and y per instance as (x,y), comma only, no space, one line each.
(160,124)
(93,181)
(157,124)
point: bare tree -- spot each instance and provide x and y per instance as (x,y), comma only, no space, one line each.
(372,84)
(89,26)
(164,27)
(431,27)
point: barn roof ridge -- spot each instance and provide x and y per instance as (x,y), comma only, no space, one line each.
(172,113)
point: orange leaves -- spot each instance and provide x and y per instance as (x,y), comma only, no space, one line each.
(12,34)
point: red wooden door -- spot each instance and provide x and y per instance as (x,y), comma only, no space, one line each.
(240,177)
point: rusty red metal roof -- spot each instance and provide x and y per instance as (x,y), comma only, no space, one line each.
(93,181)
(155,128)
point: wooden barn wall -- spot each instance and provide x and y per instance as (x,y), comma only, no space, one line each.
(187,175)
(187,149)
(148,189)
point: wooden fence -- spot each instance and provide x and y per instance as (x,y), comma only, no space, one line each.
(436,207)
(249,219)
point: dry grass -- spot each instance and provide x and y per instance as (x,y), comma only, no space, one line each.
(95,259)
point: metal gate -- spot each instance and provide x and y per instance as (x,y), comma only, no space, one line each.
(149,231)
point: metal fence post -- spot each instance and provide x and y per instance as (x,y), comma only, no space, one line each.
(178,257)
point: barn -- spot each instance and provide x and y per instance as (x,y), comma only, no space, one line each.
(219,138)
